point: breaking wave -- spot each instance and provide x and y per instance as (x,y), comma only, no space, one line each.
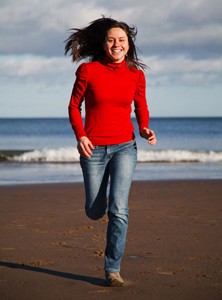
(70,155)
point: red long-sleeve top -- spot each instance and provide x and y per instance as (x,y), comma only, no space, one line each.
(108,90)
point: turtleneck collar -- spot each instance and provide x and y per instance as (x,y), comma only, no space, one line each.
(112,65)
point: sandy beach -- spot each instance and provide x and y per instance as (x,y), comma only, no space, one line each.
(49,249)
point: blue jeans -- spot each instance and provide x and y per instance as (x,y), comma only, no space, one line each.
(114,164)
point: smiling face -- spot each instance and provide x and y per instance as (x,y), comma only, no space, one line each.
(116,44)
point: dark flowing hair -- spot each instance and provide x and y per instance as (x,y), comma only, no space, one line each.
(88,42)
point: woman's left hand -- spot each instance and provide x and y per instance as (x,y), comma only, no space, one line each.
(149,135)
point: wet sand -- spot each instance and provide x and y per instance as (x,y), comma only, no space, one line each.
(49,249)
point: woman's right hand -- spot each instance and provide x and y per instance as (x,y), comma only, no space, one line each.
(85,147)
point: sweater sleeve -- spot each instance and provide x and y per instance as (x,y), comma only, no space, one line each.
(77,97)
(140,103)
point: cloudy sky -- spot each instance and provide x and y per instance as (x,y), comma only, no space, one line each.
(180,40)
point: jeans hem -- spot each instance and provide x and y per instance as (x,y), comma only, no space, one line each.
(112,270)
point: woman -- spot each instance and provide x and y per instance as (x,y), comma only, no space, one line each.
(109,83)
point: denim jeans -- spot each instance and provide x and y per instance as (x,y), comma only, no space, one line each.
(114,164)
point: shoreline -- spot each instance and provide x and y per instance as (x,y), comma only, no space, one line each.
(22,174)
(50,250)
(140,181)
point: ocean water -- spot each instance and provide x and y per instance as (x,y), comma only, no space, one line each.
(44,150)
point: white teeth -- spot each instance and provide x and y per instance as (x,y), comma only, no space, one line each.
(117,51)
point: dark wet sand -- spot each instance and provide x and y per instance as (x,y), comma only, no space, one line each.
(49,249)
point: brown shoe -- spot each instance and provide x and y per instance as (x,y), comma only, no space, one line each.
(113,279)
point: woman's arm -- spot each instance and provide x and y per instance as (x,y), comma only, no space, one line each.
(142,111)
(76,100)
(84,144)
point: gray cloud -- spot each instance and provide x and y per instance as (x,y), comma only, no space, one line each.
(165,27)
(180,40)
(51,71)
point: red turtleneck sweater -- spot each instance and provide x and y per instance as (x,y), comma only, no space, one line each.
(108,90)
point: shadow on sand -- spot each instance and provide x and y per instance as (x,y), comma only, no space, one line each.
(91,280)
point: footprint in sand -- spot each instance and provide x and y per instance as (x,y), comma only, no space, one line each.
(61,244)
(199,258)
(84,228)
(99,253)
(40,263)
(162,272)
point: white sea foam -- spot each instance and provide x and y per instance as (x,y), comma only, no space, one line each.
(66,155)
(179,156)
(61,155)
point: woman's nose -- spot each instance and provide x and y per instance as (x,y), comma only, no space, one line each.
(116,43)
